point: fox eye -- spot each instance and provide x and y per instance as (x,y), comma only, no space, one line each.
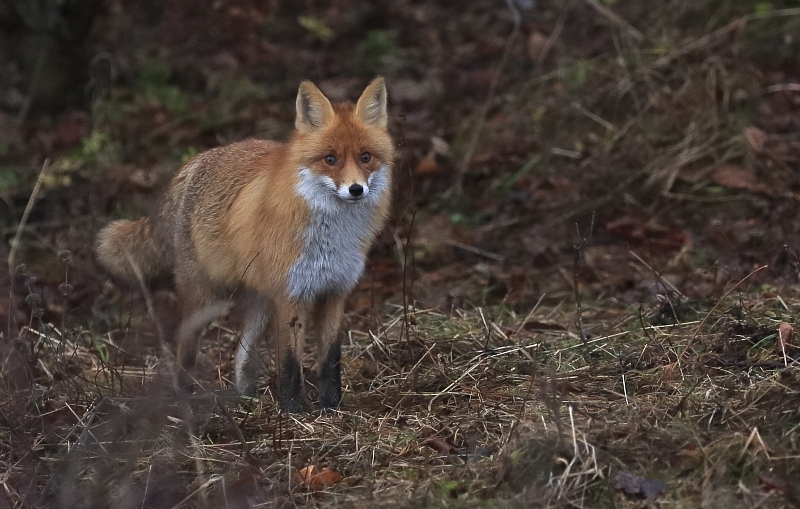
(365,157)
(330,159)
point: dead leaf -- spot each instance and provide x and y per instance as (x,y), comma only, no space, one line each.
(427,166)
(247,477)
(669,371)
(317,479)
(537,42)
(785,333)
(565,386)
(772,483)
(637,485)
(779,484)
(756,138)
(691,175)
(737,177)
(637,231)
(690,453)
(441,445)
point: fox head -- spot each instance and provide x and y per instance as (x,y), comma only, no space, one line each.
(343,151)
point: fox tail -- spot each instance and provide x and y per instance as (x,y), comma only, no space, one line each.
(133,255)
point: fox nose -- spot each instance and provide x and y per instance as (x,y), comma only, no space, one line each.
(356,190)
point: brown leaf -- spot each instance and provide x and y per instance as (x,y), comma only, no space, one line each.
(690,174)
(441,445)
(537,42)
(669,371)
(636,230)
(566,386)
(317,479)
(247,477)
(785,333)
(690,452)
(737,177)
(427,166)
(626,227)
(756,138)
(772,483)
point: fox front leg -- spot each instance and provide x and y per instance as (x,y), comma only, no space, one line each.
(290,323)
(327,322)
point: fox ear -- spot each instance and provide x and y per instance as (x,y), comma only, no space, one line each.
(371,106)
(314,110)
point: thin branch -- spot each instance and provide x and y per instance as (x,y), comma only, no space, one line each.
(481,120)
(24,220)
(616,20)
(578,265)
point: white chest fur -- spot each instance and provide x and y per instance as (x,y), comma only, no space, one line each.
(333,243)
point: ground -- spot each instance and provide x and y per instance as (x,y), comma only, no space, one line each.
(586,295)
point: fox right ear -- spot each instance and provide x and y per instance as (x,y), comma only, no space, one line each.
(314,110)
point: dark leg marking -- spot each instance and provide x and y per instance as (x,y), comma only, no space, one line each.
(330,377)
(289,389)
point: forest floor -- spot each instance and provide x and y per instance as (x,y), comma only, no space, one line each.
(586,295)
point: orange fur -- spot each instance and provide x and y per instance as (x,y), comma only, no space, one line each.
(289,225)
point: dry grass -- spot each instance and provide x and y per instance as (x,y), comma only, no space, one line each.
(488,407)
(469,410)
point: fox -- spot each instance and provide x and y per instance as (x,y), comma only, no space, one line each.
(284,227)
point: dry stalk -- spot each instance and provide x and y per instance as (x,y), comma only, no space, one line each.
(577,266)
(22,222)
(616,20)
(458,187)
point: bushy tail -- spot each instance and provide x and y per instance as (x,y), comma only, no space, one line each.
(126,247)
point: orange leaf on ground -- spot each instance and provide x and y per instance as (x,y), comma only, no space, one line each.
(537,42)
(441,445)
(737,177)
(427,166)
(636,230)
(785,333)
(566,386)
(316,479)
(756,138)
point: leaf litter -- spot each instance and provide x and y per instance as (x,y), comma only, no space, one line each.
(684,145)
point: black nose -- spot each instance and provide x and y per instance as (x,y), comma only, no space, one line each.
(356,190)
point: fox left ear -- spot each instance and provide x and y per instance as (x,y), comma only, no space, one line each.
(371,106)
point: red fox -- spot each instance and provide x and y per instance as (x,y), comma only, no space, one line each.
(285,227)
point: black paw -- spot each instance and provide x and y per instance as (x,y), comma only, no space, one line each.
(330,393)
(293,406)
(330,378)
(289,385)
(186,382)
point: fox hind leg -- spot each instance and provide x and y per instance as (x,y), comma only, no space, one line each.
(195,318)
(247,362)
